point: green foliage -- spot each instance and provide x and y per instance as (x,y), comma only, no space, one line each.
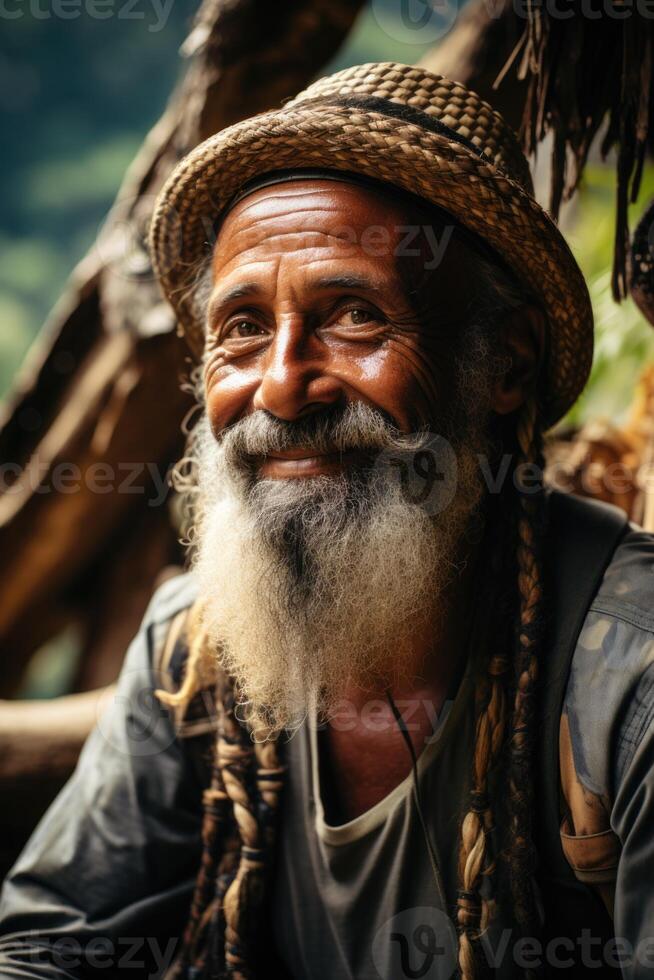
(78,182)
(624,340)
(624,343)
(77,96)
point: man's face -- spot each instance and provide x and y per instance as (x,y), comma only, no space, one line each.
(327,351)
(311,309)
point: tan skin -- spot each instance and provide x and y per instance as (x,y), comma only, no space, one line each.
(308,310)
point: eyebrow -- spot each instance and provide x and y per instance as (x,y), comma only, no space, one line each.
(245,290)
(240,291)
(346,281)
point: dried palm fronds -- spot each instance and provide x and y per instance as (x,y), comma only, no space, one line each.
(588,64)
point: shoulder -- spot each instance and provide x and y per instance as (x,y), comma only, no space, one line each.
(189,692)
(172,596)
(171,599)
(146,663)
(627,589)
(609,700)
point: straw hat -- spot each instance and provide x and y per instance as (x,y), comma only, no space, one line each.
(415,130)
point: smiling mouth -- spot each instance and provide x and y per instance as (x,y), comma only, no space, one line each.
(305,462)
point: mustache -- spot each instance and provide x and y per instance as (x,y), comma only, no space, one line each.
(354,427)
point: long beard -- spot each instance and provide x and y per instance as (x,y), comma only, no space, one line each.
(312,585)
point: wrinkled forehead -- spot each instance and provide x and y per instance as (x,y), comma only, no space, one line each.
(339,210)
(315,219)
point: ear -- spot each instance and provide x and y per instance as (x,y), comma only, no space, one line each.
(522,338)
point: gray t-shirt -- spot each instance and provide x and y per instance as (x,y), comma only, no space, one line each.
(361,899)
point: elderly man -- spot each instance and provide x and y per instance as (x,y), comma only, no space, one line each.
(408,690)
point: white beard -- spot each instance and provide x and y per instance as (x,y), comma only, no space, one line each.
(310,585)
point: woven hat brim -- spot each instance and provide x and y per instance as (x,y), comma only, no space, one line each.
(405,155)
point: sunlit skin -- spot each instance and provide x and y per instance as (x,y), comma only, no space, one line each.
(309,309)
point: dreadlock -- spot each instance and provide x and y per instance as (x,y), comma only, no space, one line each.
(531,520)
(505,700)
(239,815)
(475,912)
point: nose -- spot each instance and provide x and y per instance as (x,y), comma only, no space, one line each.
(296,379)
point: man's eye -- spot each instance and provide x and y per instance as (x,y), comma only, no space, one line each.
(357,316)
(360,316)
(245,329)
(352,323)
